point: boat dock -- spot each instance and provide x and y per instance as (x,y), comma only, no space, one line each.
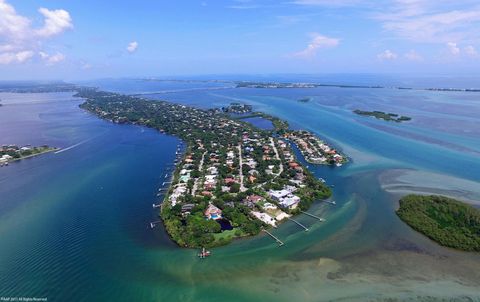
(156,205)
(298,223)
(280,243)
(154,223)
(314,216)
(331,202)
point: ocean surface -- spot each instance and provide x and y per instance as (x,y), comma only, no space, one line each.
(74,225)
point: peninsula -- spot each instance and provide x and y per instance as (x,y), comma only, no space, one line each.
(447,221)
(233,180)
(314,150)
(384,116)
(10,153)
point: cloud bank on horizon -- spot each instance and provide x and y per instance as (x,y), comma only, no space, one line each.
(238,36)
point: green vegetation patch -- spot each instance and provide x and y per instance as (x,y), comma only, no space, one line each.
(384,116)
(447,221)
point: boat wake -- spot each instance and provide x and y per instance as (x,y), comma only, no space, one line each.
(73,146)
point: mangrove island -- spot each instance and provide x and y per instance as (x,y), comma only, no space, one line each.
(447,221)
(393,117)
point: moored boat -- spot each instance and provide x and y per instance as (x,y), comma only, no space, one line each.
(203,253)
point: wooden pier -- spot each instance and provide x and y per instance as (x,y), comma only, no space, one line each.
(156,205)
(314,216)
(280,243)
(298,223)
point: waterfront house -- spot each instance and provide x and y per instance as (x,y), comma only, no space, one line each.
(185,178)
(290,201)
(278,194)
(264,217)
(293,165)
(212,212)
(300,177)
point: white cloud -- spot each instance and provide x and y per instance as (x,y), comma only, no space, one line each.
(12,25)
(18,57)
(412,55)
(132,47)
(19,41)
(429,21)
(453,48)
(318,41)
(56,22)
(387,55)
(471,51)
(52,59)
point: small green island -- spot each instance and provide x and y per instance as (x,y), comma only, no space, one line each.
(389,117)
(10,153)
(447,221)
(233,179)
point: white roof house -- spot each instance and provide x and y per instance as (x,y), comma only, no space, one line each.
(278,194)
(290,201)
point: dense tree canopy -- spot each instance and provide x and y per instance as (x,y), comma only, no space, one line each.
(447,221)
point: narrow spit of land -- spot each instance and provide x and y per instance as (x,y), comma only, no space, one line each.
(233,180)
(11,153)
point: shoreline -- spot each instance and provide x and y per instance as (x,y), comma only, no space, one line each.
(51,149)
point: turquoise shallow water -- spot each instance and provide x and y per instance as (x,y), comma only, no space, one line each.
(74,225)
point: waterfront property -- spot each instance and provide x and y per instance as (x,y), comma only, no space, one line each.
(315,150)
(231,171)
(9,153)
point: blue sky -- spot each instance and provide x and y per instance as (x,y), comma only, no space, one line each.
(50,39)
